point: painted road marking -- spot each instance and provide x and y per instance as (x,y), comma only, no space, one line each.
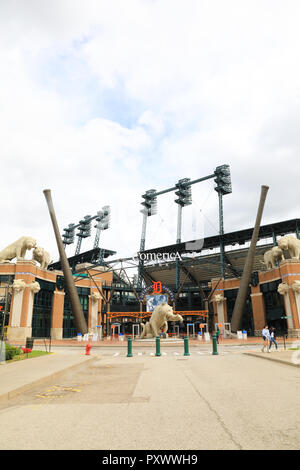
(231,350)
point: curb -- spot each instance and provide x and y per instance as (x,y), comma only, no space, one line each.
(280,361)
(23,388)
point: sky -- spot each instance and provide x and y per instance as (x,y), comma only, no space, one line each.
(101,100)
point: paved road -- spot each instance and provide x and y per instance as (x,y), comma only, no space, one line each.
(230,401)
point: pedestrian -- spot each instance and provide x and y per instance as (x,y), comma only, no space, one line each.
(273,338)
(266,338)
(218,333)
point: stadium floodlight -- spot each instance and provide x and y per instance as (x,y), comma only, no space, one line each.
(103,223)
(150,203)
(223,179)
(184,192)
(103,218)
(223,182)
(84,227)
(68,235)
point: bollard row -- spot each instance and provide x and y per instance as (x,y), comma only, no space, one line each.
(186,346)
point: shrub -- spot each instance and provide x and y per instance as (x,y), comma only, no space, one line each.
(11,351)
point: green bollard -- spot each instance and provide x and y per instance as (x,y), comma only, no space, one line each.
(215,349)
(129,347)
(157,341)
(186,346)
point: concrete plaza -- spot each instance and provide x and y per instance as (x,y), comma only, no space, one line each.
(234,400)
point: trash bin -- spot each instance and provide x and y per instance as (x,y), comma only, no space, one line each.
(244,334)
(29,343)
(79,336)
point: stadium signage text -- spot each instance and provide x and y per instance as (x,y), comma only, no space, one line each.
(157,257)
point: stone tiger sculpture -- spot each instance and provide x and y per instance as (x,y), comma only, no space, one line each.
(17,249)
(159,321)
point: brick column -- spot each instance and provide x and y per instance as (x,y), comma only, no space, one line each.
(93,311)
(14,332)
(220,301)
(295,300)
(21,320)
(57,314)
(284,290)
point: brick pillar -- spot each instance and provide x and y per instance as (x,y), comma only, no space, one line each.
(220,303)
(284,290)
(15,333)
(57,314)
(93,311)
(23,309)
(295,301)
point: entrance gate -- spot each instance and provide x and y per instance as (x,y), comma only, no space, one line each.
(99,332)
(188,326)
(135,327)
(227,330)
(115,330)
(176,330)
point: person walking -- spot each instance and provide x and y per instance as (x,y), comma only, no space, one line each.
(272,338)
(266,338)
(218,334)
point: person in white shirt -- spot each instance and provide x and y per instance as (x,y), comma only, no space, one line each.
(266,338)
(273,338)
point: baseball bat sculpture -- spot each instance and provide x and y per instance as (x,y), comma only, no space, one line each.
(79,319)
(237,315)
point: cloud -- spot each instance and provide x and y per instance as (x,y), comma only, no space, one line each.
(100,101)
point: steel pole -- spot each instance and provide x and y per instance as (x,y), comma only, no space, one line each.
(178,240)
(79,319)
(221,232)
(237,314)
(142,248)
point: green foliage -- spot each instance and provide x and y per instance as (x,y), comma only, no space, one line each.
(11,351)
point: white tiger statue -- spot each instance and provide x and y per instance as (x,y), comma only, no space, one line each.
(17,249)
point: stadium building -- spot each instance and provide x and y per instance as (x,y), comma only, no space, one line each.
(37,305)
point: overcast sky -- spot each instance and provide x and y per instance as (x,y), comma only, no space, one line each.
(101,100)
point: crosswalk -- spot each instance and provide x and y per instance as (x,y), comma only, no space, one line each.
(175,353)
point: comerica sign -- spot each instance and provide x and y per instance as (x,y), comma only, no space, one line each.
(157,257)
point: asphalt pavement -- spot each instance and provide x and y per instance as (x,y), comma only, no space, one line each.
(107,400)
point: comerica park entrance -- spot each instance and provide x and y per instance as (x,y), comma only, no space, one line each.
(122,319)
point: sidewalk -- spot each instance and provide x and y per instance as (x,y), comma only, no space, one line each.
(291,358)
(19,376)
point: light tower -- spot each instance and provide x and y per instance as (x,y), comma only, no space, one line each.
(184,193)
(223,181)
(150,208)
(84,228)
